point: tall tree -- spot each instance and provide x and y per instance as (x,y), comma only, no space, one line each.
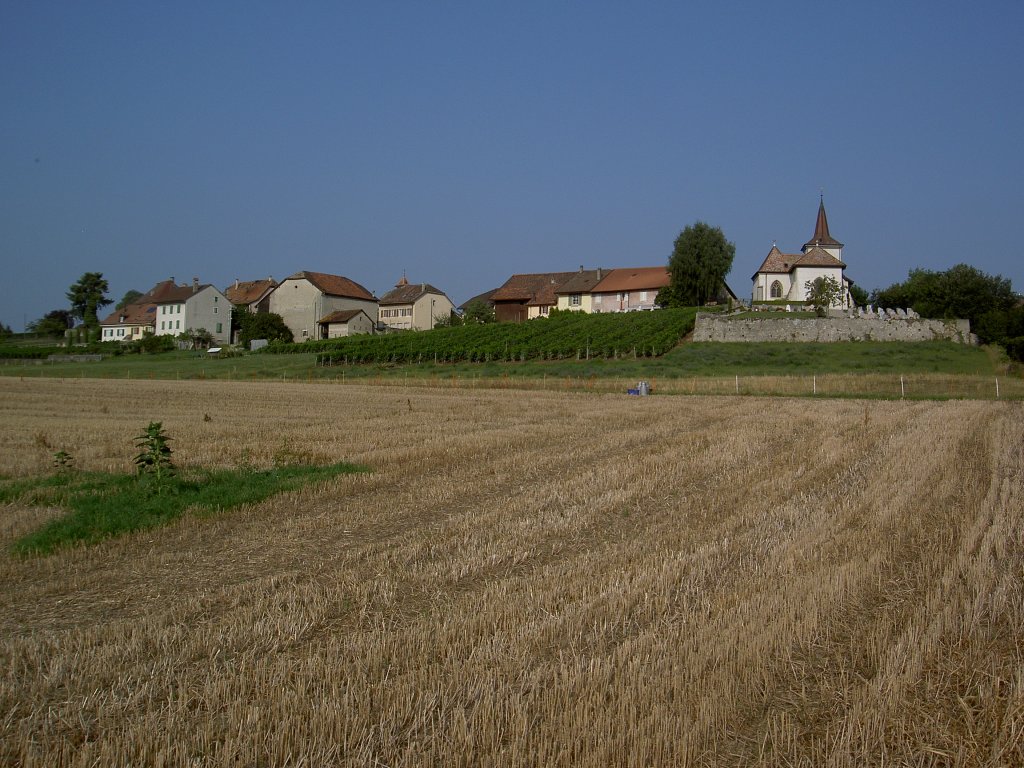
(87,296)
(700,260)
(129,297)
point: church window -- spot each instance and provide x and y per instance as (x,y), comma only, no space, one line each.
(776,290)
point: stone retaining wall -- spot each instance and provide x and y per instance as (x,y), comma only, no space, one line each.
(722,328)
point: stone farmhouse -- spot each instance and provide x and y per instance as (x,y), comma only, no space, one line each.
(345,322)
(306,301)
(413,306)
(783,276)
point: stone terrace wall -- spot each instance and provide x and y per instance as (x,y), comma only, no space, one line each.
(722,328)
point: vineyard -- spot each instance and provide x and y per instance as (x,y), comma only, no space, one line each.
(565,336)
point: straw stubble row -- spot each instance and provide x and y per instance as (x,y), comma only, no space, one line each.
(532,579)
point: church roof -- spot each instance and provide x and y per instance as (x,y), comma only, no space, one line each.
(821,237)
(783,263)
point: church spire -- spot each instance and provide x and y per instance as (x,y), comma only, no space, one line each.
(821,238)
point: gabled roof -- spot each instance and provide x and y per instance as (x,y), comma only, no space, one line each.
(342,316)
(821,236)
(169,292)
(132,314)
(334,285)
(485,297)
(582,281)
(777,262)
(249,291)
(525,287)
(633,279)
(406,293)
(817,257)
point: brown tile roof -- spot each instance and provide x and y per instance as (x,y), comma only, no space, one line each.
(485,297)
(342,316)
(334,285)
(167,292)
(582,281)
(132,314)
(408,293)
(777,261)
(633,279)
(249,291)
(525,287)
(816,257)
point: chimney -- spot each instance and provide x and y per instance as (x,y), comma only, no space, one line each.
(236,283)
(195,284)
(598,273)
(581,268)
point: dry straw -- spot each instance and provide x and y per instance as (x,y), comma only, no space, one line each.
(528,578)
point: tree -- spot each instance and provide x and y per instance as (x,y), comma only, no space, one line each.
(87,296)
(700,260)
(823,293)
(53,323)
(961,291)
(197,338)
(859,296)
(130,297)
(478,311)
(262,325)
(5,331)
(452,320)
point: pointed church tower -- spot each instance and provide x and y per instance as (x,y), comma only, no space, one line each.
(821,238)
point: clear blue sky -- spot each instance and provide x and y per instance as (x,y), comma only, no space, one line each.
(461,142)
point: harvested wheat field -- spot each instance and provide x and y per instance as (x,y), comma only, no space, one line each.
(526,579)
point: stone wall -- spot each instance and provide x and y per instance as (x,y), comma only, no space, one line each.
(723,328)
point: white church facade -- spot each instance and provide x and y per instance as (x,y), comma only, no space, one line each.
(783,276)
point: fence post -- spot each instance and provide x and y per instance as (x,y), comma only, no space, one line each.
(737,383)
(903,391)
(997,387)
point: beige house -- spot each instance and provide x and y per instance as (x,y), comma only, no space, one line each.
(130,323)
(183,307)
(305,298)
(345,322)
(575,294)
(414,306)
(784,276)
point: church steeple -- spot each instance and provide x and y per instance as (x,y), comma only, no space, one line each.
(822,238)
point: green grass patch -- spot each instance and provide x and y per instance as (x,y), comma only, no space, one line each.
(102,506)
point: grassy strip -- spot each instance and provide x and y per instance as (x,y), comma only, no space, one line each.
(105,505)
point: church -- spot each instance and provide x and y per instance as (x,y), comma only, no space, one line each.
(783,276)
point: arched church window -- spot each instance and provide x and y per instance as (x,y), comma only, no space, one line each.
(776,290)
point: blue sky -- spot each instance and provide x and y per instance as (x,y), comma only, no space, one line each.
(461,142)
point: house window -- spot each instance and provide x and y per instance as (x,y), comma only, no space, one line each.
(177,324)
(219,329)
(776,290)
(643,296)
(544,310)
(574,300)
(215,310)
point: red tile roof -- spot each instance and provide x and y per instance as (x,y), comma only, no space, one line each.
(132,314)
(525,287)
(633,279)
(334,285)
(249,291)
(817,257)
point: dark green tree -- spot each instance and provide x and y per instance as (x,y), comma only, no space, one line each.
(130,297)
(262,325)
(5,331)
(87,296)
(823,293)
(860,296)
(700,260)
(53,323)
(960,291)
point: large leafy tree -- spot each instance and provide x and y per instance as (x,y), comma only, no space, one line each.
(960,291)
(262,325)
(53,323)
(701,258)
(823,293)
(87,296)
(478,311)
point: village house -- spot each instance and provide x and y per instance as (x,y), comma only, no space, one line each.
(526,296)
(575,294)
(784,276)
(191,307)
(414,306)
(304,300)
(629,289)
(345,322)
(130,323)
